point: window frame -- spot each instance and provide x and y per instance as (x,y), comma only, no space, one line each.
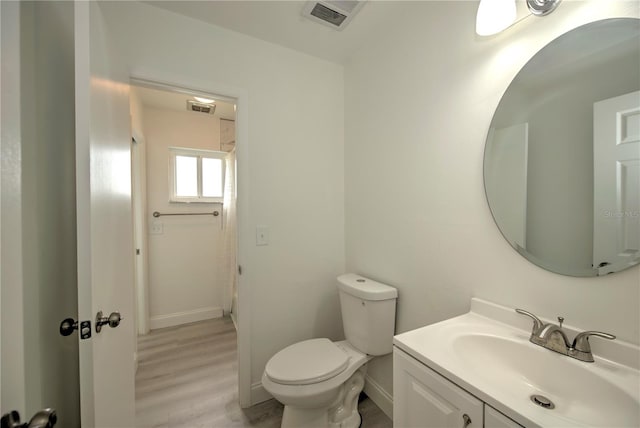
(199,154)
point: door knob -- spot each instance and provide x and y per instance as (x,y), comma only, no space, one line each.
(45,418)
(113,320)
(68,325)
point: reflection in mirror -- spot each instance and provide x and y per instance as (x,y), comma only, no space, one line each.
(562,157)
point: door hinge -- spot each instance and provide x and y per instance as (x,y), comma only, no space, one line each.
(239,270)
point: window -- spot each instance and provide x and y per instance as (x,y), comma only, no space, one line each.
(196,175)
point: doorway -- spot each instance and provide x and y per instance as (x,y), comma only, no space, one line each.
(184,207)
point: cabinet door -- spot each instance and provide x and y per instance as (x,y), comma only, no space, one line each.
(495,419)
(423,398)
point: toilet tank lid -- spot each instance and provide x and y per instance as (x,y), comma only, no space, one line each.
(365,288)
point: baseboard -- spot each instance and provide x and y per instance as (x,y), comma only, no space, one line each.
(259,394)
(378,395)
(178,318)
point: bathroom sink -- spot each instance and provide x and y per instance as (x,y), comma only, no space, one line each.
(488,353)
(579,392)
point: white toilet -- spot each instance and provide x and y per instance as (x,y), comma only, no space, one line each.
(319,381)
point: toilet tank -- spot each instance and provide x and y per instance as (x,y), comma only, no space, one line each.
(368,313)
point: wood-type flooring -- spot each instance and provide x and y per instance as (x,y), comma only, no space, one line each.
(187,377)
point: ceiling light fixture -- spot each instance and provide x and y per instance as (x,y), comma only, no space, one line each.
(542,7)
(495,16)
(204,100)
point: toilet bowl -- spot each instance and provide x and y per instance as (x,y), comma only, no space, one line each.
(319,381)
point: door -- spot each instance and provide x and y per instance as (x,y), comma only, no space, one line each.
(38,242)
(616,151)
(104,223)
(84,127)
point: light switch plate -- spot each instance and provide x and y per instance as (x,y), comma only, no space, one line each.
(262,235)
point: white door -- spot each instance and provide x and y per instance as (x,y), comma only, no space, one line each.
(616,152)
(104,223)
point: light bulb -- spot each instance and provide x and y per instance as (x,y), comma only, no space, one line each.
(204,100)
(495,16)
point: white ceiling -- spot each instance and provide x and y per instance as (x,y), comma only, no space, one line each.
(282,23)
(161,99)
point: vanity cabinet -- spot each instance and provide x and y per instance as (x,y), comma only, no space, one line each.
(423,398)
(495,419)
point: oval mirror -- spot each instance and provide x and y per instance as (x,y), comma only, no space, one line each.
(562,156)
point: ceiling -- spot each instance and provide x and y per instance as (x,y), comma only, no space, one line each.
(161,99)
(282,23)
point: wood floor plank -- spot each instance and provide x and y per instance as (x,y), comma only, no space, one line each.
(187,377)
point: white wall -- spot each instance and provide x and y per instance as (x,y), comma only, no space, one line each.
(420,154)
(290,177)
(183,259)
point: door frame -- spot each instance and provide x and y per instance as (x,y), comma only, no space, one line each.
(161,80)
(141,260)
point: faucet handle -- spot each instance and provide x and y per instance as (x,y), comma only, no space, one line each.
(537,324)
(581,342)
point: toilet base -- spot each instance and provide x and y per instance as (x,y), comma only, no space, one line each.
(342,413)
(307,418)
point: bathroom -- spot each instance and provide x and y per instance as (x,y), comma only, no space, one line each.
(372,163)
(188,274)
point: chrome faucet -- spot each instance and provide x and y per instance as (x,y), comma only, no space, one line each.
(552,337)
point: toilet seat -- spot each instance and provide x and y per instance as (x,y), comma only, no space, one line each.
(307,362)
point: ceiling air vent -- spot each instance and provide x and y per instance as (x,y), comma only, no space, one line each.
(201,107)
(333,13)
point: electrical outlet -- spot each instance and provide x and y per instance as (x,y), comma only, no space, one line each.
(156,228)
